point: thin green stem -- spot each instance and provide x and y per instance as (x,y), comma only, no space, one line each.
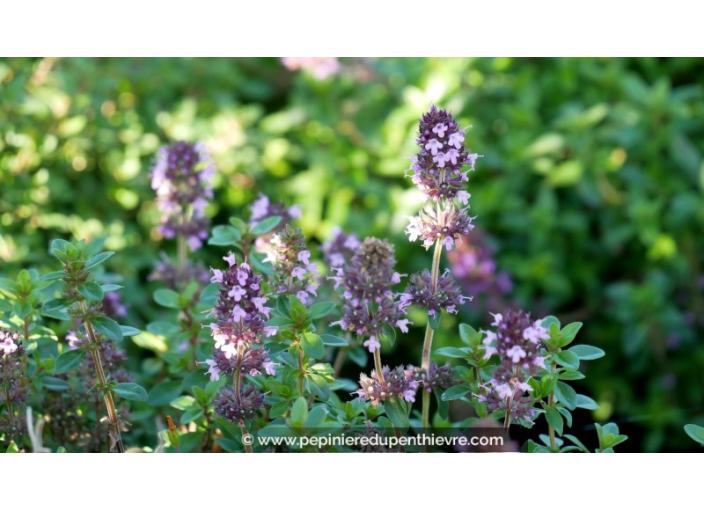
(551,403)
(100,372)
(302,374)
(428,341)
(182,256)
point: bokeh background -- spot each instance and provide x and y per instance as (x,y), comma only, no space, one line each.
(588,196)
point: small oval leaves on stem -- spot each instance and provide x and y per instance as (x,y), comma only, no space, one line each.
(587,352)
(108,327)
(130,391)
(167,298)
(91,290)
(266,225)
(567,359)
(68,361)
(98,259)
(313,345)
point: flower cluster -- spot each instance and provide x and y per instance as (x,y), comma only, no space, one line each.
(263,208)
(172,276)
(370,305)
(338,250)
(420,293)
(398,383)
(439,224)
(474,266)
(239,326)
(112,356)
(113,306)
(240,313)
(12,383)
(437,168)
(235,407)
(294,273)
(517,342)
(182,179)
(439,377)
(437,171)
(9,342)
(252,361)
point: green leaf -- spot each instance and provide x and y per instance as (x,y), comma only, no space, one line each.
(547,384)
(316,417)
(571,375)
(167,298)
(68,361)
(22,308)
(163,393)
(163,328)
(554,419)
(12,448)
(587,352)
(265,225)
(566,414)
(468,334)
(49,277)
(191,414)
(229,445)
(299,412)
(549,320)
(53,304)
(319,310)
(55,384)
(566,394)
(91,290)
(569,332)
(334,341)
(452,352)
(151,342)
(8,286)
(129,331)
(455,392)
(130,391)
(585,402)
(109,287)
(695,432)
(567,359)
(577,442)
(98,259)
(107,327)
(225,235)
(434,321)
(313,345)
(296,307)
(397,412)
(61,249)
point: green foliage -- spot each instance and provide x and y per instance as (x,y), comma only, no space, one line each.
(590,188)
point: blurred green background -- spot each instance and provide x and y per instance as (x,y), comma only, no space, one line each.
(589,190)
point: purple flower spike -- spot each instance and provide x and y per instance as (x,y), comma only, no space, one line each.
(182,179)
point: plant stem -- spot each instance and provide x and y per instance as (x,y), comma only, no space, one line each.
(551,403)
(243,428)
(182,253)
(8,400)
(107,394)
(428,341)
(507,418)
(238,388)
(377,365)
(302,375)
